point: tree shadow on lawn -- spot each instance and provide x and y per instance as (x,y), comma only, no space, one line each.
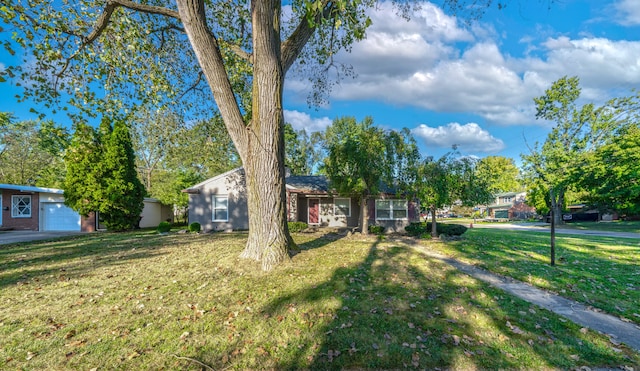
(395,309)
(65,259)
(584,271)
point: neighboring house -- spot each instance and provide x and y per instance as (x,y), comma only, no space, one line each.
(153,212)
(510,205)
(39,209)
(220,204)
(43,209)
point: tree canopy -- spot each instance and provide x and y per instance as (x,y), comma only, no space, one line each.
(190,51)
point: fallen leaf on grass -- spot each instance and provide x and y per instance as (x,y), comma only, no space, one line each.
(574,357)
(30,355)
(584,330)
(331,354)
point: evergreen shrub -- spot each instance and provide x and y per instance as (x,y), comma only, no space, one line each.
(164,227)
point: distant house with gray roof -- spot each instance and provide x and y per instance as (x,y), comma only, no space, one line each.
(220,204)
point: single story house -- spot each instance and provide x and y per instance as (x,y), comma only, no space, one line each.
(39,209)
(43,209)
(220,204)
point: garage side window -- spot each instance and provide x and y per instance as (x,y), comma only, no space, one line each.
(20,206)
(220,209)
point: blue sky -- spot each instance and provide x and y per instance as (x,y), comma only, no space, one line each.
(472,85)
(451,83)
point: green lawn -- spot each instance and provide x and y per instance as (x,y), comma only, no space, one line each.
(603,272)
(143,301)
(617,226)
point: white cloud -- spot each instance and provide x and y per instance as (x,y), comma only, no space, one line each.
(628,12)
(300,120)
(469,138)
(432,62)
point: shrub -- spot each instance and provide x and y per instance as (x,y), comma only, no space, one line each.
(296,227)
(423,230)
(164,227)
(376,229)
(452,229)
(416,229)
(195,227)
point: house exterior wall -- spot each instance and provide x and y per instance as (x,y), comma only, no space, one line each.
(154,212)
(233,186)
(29,223)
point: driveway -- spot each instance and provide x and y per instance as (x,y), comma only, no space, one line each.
(7,237)
(544,228)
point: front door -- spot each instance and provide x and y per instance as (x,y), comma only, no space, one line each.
(314,211)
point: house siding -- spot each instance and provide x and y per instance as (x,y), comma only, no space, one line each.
(30,223)
(231,185)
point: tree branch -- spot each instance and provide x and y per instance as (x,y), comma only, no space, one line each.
(293,46)
(158,10)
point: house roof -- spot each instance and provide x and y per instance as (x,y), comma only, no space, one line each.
(308,183)
(195,189)
(23,188)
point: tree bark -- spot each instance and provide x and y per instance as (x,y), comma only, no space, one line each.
(434,226)
(554,215)
(260,143)
(364,215)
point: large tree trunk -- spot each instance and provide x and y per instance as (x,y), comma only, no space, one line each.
(260,143)
(364,215)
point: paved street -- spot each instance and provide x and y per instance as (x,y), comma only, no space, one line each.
(544,228)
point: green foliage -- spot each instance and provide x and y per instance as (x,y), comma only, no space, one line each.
(123,196)
(302,152)
(499,173)
(194,227)
(31,152)
(448,179)
(164,227)
(296,227)
(83,182)
(423,230)
(101,175)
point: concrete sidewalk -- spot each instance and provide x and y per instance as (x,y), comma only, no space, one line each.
(615,328)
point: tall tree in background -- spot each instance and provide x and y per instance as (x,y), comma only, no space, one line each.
(302,151)
(611,175)
(500,173)
(356,159)
(154,134)
(31,152)
(123,194)
(449,179)
(579,130)
(242,51)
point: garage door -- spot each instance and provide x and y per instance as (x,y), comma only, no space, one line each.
(58,217)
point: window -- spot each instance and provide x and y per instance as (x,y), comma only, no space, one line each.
(220,209)
(342,206)
(391,209)
(21,206)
